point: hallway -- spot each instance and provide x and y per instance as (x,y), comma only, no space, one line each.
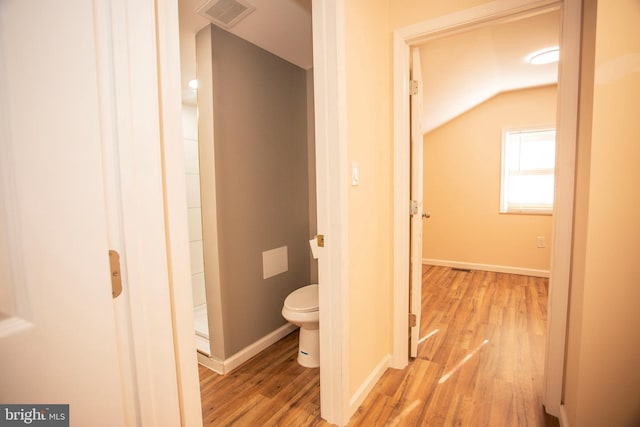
(480,364)
(481,359)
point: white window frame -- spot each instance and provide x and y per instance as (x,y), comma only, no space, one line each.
(504,175)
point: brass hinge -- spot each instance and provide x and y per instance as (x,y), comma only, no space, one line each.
(116,278)
(321,240)
(413,320)
(413,207)
(414,87)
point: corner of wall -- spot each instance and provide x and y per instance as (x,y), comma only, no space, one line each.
(367,385)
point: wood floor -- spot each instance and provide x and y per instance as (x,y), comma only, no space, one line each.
(480,364)
(271,389)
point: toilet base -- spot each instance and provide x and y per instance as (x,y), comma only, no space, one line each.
(309,348)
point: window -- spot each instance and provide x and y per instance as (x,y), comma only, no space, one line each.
(528,165)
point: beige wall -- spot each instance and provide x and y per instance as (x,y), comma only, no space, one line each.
(603,380)
(368,63)
(462,163)
(408,12)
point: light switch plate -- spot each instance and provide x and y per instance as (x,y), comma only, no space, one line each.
(355,173)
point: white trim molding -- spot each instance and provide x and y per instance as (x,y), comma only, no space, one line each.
(211,363)
(564,422)
(401,186)
(223,367)
(139,79)
(561,248)
(487,267)
(332,197)
(365,388)
(175,215)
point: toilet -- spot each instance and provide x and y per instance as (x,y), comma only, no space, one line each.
(301,309)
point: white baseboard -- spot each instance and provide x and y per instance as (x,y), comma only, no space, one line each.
(487,267)
(215,365)
(202,345)
(223,367)
(563,417)
(368,384)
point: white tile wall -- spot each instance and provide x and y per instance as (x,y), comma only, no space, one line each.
(195,224)
(193,190)
(197,264)
(191,156)
(190,122)
(190,134)
(197,281)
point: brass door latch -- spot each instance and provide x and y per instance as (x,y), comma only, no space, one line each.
(116,277)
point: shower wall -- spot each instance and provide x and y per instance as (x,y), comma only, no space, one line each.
(254,169)
(192,178)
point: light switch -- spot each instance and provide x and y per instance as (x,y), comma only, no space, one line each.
(355,174)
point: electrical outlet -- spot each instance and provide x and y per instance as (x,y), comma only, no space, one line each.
(540,241)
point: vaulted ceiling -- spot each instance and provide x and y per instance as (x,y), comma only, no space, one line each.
(463,70)
(459,71)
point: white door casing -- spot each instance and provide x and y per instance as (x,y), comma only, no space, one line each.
(417,184)
(332,183)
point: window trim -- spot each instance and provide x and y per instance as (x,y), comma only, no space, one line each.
(503,209)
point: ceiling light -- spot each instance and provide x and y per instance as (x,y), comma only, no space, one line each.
(544,56)
(193,84)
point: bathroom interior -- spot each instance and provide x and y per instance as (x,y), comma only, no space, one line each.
(250,175)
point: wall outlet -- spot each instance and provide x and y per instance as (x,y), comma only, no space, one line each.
(540,241)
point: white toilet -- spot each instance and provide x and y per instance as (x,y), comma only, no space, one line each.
(301,309)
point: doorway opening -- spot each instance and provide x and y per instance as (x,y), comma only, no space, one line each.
(478,85)
(255,193)
(567,114)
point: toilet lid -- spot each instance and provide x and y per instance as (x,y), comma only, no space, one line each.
(303,300)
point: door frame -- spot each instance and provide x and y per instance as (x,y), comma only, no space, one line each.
(176,222)
(332,183)
(332,186)
(139,76)
(567,116)
(416,192)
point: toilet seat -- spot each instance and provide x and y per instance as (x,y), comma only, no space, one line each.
(303,300)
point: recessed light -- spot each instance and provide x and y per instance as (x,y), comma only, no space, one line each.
(544,56)
(193,84)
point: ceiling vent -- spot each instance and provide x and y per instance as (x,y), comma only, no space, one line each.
(225,13)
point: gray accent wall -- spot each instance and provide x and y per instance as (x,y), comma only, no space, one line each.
(311,156)
(257,174)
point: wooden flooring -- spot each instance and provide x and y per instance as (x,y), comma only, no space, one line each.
(271,389)
(480,364)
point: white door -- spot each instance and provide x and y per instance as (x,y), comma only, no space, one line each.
(57,331)
(415,299)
